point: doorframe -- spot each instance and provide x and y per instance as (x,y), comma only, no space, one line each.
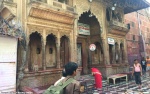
(84,54)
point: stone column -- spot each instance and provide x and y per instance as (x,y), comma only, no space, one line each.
(71,46)
(114,55)
(75,39)
(58,51)
(119,53)
(125,51)
(106,52)
(27,55)
(75,48)
(43,53)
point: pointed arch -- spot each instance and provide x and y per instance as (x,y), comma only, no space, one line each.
(35,47)
(50,51)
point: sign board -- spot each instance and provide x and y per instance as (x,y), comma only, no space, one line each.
(111,41)
(83,29)
(92,47)
(8,63)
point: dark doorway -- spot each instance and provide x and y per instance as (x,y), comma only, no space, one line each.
(64,50)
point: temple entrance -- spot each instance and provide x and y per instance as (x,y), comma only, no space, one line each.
(64,51)
(88,33)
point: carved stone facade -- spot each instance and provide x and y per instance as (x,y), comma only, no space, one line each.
(53,39)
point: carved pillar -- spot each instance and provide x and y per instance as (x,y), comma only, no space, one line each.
(114,59)
(43,53)
(90,53)
(75,39)
(119,53)
(27,55)
(58,51)
(106,53)
(75,48)
(125,52)
(71,47)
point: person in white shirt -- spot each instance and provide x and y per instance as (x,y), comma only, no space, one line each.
(63,77)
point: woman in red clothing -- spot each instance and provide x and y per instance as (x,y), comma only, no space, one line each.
(98,78)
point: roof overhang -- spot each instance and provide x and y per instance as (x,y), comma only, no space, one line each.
(128,5)
(134,5)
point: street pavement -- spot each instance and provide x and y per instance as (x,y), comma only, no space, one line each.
(123,87)
(127,87)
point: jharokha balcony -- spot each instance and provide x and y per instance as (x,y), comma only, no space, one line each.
(51,10)
(119,26)
(57,4)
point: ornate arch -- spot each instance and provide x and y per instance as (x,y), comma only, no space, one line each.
(121,43)
(68,38)
(65,34)
(95,8)
(51,33)
(35,29)
(37,33)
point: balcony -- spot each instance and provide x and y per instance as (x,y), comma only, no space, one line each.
(51,10)
(119,28)
(55,4)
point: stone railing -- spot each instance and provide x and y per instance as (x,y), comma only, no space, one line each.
(119,26)
(56,4)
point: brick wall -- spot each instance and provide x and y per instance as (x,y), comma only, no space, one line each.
(134,44)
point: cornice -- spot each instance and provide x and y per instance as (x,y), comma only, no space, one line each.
(48,24)
(51,14)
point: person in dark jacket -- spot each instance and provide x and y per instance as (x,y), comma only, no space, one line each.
(143,64)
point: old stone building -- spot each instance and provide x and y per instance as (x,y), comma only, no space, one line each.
(58,31)
(138,38)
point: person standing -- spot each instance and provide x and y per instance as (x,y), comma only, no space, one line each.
(74,87)
(137,71)
(143,64)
